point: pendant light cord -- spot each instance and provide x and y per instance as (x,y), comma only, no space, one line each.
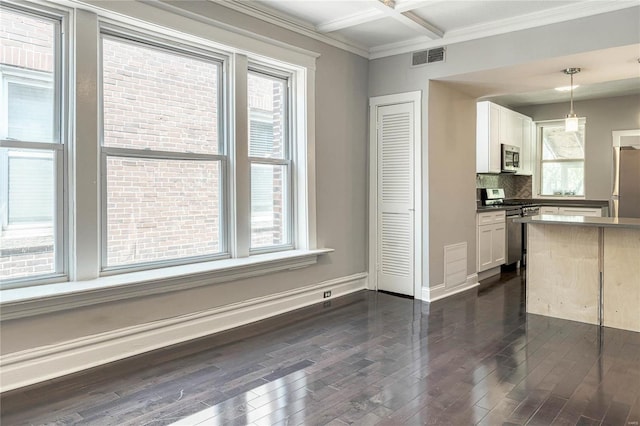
(571,112)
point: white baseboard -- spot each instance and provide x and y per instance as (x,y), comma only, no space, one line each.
(431,294)
(44,363)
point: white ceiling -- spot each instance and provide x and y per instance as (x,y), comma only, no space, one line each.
(604,73)
(373,29)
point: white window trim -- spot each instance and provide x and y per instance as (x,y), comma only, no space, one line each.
(36,300)
(123,35)
(4,187)
(10,74)
(61,81)
(537,181)
(84,235)
(188,28)
(287,160)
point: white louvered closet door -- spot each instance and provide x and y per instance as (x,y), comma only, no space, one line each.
(395,270)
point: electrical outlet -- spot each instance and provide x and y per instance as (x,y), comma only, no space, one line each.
(326,294)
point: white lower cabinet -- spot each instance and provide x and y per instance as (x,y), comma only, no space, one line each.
(579,211)
(572,211)
(491,239)
(548,210)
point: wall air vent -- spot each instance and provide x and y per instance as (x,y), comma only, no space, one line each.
(430,56)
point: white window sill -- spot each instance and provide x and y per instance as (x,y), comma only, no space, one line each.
(36,300)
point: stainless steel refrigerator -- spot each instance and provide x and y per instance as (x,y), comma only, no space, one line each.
(625,200)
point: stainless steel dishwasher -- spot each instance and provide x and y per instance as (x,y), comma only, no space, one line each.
(527,210)
(514,236)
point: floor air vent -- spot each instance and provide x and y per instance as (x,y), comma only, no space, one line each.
(455,265)
(427,56)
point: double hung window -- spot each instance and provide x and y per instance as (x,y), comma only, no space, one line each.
(32,141)
(164,159)
(270,158)
(561,160)
(177,181)
(166,167)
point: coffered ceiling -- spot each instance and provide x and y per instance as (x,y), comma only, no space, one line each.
(377,28)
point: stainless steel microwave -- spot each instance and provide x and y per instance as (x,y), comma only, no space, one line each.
(510,158)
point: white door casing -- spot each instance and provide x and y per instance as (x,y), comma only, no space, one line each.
(395,239)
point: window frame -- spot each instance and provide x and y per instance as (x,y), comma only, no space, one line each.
(125,35)
(81,173)
(540,125)
(287,159)
(26,77)
(5,160)
(61,81)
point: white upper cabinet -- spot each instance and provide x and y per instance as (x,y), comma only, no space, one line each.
(528,148)
(496,125)
(510,127)
(488,138)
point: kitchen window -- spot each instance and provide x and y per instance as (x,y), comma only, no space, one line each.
(561,165)
(32,147)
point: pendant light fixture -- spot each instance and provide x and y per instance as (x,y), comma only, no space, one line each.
(571,122)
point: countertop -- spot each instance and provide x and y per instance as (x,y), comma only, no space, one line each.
(547,202)
(481,209)
(564,202)
(600,222)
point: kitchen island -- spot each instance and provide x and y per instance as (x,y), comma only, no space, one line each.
(584,269)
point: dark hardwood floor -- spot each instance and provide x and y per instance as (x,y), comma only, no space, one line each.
(368,358)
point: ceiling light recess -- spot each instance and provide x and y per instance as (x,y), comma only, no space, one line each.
(571,122)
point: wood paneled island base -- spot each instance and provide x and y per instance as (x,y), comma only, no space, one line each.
(584,269)
(563,272)
(622,278)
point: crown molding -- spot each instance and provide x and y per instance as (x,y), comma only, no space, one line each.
(532,20)
(503,26)
(277,18)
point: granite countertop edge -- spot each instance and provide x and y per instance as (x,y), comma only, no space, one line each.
(547,202)
(599,222)
(491,208)
(568,203)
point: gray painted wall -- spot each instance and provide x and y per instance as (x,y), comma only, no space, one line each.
(343,83)
(395,75)
(341,156)
(452,134)
(621,28)
(603,116)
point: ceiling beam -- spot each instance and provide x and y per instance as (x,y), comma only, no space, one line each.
(409,19)
(350,20)
(409,5)
(401,13)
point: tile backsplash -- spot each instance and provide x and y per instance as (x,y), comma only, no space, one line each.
(514,186)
